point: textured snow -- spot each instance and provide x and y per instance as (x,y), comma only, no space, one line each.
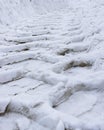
(51,65)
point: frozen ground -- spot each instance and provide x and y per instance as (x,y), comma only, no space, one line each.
(52,65)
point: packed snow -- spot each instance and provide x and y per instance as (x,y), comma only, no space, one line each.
(51,65)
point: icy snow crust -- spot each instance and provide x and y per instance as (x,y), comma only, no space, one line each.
(51,65)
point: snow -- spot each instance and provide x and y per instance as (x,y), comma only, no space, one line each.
(51,65)
(3,104)
(10,75)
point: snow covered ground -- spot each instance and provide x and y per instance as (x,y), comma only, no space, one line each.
(51,65)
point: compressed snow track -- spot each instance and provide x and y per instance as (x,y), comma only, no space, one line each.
(52,67)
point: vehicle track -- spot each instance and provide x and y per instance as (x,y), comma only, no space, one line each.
(47,69)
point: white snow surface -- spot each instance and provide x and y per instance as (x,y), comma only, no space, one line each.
(51,64)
